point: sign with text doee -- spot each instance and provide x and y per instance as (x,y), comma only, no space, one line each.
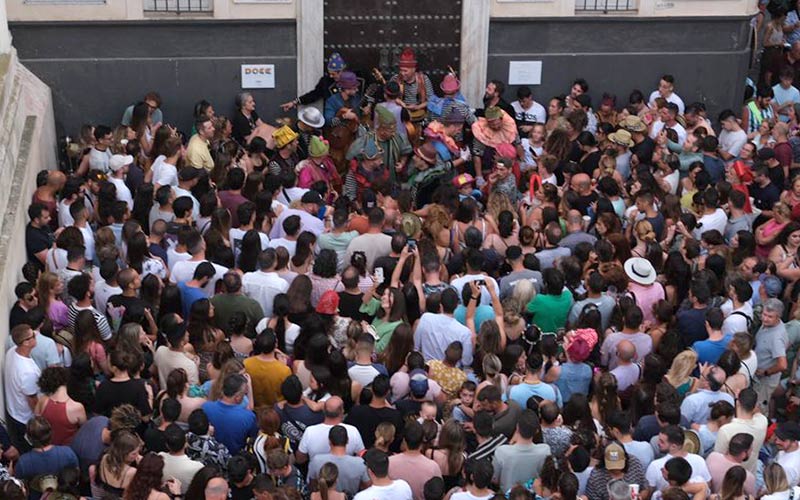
(258,76)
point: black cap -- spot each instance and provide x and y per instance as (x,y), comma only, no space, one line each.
(188,173)
(766,154)
(311,196)
(788,431)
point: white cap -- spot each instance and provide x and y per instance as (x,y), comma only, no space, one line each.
(118,161)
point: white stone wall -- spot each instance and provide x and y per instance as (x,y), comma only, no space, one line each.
(27,145)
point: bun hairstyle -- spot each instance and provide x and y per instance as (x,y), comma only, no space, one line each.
(644,231)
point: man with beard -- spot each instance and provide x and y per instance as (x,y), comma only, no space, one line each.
(493,97)
(326,86)
(285,158)
(309,124)
(347,98)
(415,87)
(396,148)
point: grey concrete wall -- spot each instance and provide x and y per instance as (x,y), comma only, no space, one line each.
(97,69)
(708,57)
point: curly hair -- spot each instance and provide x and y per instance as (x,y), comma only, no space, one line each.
(325,263)
(52,378)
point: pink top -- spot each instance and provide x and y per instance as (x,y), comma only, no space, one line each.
(97,352)
(770,228)
(647,297)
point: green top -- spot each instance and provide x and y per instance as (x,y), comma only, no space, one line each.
(384,329)
(685,157)
(550,311)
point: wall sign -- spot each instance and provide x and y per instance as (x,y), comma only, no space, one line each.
(258,76)
(525,72)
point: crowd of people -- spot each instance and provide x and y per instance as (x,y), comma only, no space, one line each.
(405,297)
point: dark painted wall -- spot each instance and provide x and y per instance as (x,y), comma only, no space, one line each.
(96,69)
(708,57)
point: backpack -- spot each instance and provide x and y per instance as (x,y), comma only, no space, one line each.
(752,324)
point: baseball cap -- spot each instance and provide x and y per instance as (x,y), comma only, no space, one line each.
(788,431)
(116,162)
(311,196)
(614,457)
(188,173)
(418,382)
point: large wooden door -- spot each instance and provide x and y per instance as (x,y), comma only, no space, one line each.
(372,33)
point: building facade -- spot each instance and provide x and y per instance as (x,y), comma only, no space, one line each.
(98,55)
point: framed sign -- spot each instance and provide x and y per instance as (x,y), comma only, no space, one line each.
(525,72)
(258,76)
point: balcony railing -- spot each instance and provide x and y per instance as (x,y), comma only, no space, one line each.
(605,6)
(179,6)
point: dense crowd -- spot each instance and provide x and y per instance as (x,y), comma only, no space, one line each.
(403,297)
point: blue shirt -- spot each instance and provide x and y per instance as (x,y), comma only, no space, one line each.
(35,463)
(709,351)
(482,313)
(521,393)
(575,379)
(696,407)
(786,95)
(692,325)
(190,295)
(232,424)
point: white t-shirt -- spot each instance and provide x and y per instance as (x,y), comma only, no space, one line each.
(21,380)
(398,490)
(732,142)
(791,465)
(656,479)
(98,160)
(164,174)
(88,241)
(102,292)
(289,245)
(534,114)
(263,287)
(173,257)
(64,217)
(736,322)
(315,440)
(123,193)
(295,193)
(466,495)
(716,220)
(673,98)
(179,191)
(486,299)
(184,271)
(658,126)
(236,236)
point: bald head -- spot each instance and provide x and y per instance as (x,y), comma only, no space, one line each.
(581,183)
(334,408)
(56,179)
(626,351)
(780,130)
(574,221)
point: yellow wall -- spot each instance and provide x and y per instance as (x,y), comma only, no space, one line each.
(118,10)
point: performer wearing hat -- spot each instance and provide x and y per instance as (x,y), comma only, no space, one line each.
(285,158)
(396,148)
(318,167)
(427,172)
(309,124)
(445,137)
(439,107)
(346,104)
(326,86)
(365,168)
(415,86)
(492,130)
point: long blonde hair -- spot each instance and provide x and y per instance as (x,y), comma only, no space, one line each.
(775,478)
(491,370)
(384,434)
(328,475)
(682,367)
(46,283)
(497,203)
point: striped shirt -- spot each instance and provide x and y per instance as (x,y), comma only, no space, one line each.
(99,319)
(410,91)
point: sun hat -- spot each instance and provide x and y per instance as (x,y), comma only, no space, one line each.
(633,123)
(311,117)
(621,137)
(450,84)
(640,271)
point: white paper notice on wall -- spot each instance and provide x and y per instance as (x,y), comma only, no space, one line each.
(525,72)
(258,76)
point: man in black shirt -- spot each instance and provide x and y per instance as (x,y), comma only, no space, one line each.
(366,418)
(765,194)
(26,300)
(389,262)
(352,297)
(127,307)
(38,236)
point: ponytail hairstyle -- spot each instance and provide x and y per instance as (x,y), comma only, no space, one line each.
(328,475)
(492,370)
(359,261)
(280,310)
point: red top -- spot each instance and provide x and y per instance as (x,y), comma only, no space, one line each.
(63,430)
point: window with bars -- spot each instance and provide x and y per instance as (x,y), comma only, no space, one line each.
(179,6)
(605,6)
